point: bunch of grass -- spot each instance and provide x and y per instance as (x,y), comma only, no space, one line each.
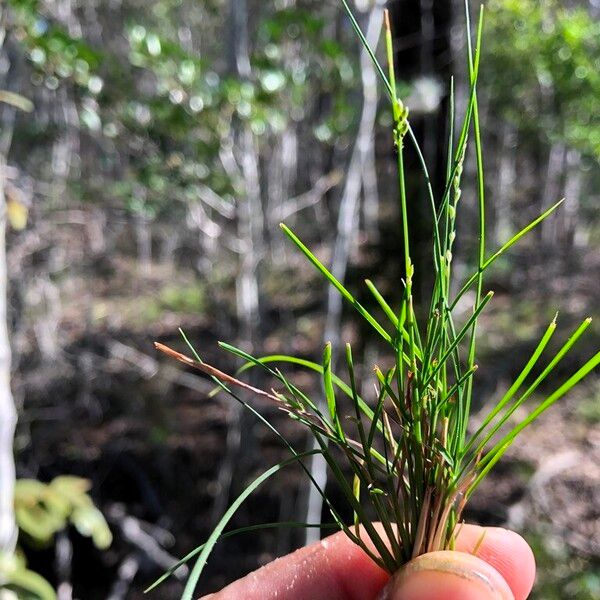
(413,460)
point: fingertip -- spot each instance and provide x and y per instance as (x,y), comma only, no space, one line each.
(506,551)
(449,575)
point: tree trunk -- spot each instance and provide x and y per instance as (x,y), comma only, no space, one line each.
(552,189)
(573,187)
(8,413)
(507,177)
(250,230)
(347,226)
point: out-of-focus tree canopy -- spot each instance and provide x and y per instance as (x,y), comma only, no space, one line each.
(159,98)
(542,65)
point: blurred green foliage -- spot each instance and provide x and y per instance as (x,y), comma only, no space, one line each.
(24,583)
(171,112)
(183,299)
(543,69)
(43,510)
(55,55)
(589,408)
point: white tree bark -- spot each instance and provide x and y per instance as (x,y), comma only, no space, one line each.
(573,187)
(507,177)
(557,158)
(8,413)
(250,231)
(346,229)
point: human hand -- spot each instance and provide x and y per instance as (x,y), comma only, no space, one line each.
(503,568)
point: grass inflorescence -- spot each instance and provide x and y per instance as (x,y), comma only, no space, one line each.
(413,460)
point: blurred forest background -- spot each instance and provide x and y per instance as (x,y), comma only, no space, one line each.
(148,151)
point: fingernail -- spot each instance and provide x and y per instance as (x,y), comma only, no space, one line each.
(448,575)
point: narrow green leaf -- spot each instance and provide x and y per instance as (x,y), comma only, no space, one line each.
(482,217)
(589,366)
(188,592)
(462,333)
(301,362)
(367,47)
(513,240)
(330,392)
(356,490)
(516,385)
(549,368)
(488,467)
(228,534)
(336,284)
(272,428)
(391,315)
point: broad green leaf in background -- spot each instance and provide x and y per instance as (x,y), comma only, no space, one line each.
(42,510)
(26,584)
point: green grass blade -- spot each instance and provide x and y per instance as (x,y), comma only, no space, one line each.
(228,534)
(391,315)
(252,361)
(355,399)
(376,420)
(482,217)
(389,50)
(459,337)
(192,582)
(487,468)
(330,392)
(336,284)
(387,309)
(451,122)
(385,555)
(356,485)
(455,388)
(301,362)
(367,47)
(589,366)
(503,249)
(464,133)
(516,385)
(531,389)
(272,428)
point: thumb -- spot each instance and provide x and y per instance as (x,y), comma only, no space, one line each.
(448,575)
